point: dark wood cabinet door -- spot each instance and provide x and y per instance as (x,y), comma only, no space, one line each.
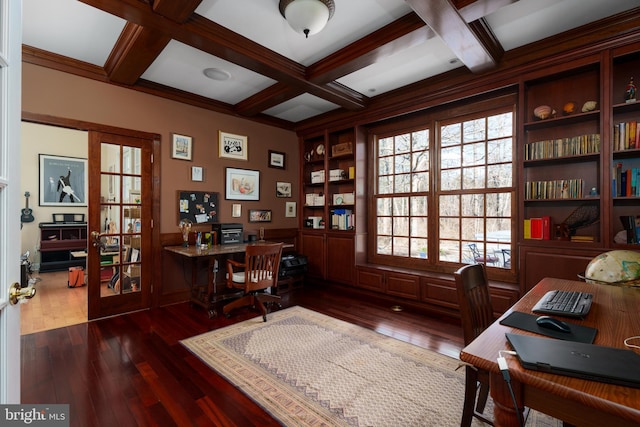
(313,246)
(340,259)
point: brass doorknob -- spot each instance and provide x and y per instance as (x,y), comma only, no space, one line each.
(98,240)
(16,293)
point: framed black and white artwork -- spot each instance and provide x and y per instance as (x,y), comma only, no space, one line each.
(63,181)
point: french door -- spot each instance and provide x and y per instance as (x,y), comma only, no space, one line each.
(10,84)
(120,223)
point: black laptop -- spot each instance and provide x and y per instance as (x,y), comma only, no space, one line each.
(574,359)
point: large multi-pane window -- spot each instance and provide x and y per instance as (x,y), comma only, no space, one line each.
(403,185)
(444,192)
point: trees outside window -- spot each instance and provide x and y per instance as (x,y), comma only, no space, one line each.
(444,188)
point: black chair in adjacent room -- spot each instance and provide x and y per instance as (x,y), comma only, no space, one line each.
(476,314)
(259,273)
(481,258)
(506,258)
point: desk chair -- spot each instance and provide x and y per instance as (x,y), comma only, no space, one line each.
(259,272)
(476,313)
(480,258)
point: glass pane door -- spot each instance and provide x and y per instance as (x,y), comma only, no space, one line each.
(120,216)
(120,224)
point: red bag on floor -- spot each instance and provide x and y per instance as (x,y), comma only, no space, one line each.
(76,277)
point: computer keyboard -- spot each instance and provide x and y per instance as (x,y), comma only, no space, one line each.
(564,303)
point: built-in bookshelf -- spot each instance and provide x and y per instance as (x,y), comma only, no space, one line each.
(625,152)
(562,153)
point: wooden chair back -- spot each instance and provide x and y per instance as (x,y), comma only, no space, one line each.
(474,300)
(262,264)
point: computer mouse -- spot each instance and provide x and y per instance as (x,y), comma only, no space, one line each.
(553,324)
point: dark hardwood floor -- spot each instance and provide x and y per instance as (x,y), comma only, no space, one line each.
(131,370)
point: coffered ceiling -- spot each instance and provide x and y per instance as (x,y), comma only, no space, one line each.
(275,75)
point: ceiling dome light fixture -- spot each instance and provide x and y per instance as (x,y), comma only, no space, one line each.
(307,16)
(217,74)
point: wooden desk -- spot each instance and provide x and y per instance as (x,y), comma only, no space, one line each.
(615,313)
(207,295)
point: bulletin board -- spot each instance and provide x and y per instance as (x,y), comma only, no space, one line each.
(201,207)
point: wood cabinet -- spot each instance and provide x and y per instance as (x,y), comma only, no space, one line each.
(328,216)
(58,241)
(312,245)
(433,291)
(340,258)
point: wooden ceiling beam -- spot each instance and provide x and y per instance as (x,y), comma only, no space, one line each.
(267,98)
(138,46)
(136,49)
(221,42)
(176,10)
(403,33)
(475,48)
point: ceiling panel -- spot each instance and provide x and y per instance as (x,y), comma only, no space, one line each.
(300,108)
(70,28)
(178,61)
(405,67)
(524,22)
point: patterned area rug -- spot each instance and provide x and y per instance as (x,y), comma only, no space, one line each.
(308,369)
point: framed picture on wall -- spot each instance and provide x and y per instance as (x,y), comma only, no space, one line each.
(181,146)
(290,210)
(63,181)
(283,189)
(232,146)
(276,159)
(260,215)
(242,184)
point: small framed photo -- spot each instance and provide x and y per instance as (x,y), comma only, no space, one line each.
(196,173)
(236,210)
(276,159)
(259,215)
(283,189)
(181,146)
(232,146)
(290,209)
(242,184)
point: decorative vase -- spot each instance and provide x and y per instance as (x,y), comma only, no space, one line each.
(185,228)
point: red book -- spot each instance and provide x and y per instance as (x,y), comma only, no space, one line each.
(536,228)
(546,228)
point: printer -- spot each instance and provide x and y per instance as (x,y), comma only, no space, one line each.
(292,265)
(228,233)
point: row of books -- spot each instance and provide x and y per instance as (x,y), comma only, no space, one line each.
(626,136)
(342,219)
(631,224)
(562,147)
(625,183)
(537,228)
(555,189)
